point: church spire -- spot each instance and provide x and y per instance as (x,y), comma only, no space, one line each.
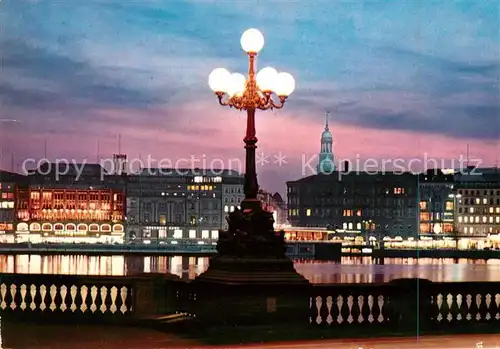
(326,157)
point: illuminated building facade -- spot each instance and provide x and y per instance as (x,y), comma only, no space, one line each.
(166,205)
(478,207)
(232,195)
(8,187)
(84,208)
(274,203)
(437,204)
(356,204)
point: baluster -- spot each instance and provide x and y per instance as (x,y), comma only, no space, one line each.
(318,300)
(31,297)
(111,300)
(43,296)
(462,308)
(368,309)
(382,307)
(91,301)
(65,295)
(336,310)
(52,297)
(329,306)
(488,300)
(482,309)
(14,298)
(3,296)
(81,298)
(23,292)
(442,307)
(101,300)
(496,306)
(76,299)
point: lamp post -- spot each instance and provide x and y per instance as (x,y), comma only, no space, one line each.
(251,274)
(256,91)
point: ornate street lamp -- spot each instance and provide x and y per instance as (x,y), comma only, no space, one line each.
(256,91)
(251,279)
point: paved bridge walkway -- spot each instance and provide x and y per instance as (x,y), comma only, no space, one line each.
(27,336)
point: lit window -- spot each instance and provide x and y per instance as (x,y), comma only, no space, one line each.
(471,209)
(358,226)
(485,201)
(215,234)
(350,226)
(491,219)
(478,201)
(460,219)
(423,205)
(178,234)
(477,219)
(163,219)
(497,210)
(226,208)
(449,206)
(192,234)
(466,219)
(485,219)
(344,226)
(204,234)
(497,219)
(465,230)
(198,179)
(232,208)
(471,230)
(308,212)
(491,209)
(399,191)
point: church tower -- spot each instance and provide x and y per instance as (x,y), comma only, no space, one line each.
(326,162)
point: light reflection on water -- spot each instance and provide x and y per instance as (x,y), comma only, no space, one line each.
(352,269)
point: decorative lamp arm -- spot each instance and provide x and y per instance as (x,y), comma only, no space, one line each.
(220,97)
(278,105)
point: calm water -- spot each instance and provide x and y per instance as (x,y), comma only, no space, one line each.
(350,270)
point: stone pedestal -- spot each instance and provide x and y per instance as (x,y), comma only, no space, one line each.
(251,291)
(412,301)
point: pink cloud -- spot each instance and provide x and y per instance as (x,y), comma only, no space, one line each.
(205,129)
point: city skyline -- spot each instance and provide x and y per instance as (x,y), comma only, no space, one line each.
(401,80)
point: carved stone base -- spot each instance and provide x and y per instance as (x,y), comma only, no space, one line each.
(251,291)
(245,271)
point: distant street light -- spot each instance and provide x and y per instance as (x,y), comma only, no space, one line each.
(256,91)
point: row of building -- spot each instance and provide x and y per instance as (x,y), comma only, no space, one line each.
(86,204)
(437,204)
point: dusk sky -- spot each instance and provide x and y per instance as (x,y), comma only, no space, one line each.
(401,79)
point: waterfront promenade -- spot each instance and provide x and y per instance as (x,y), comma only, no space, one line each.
(295,250)
(27,336)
